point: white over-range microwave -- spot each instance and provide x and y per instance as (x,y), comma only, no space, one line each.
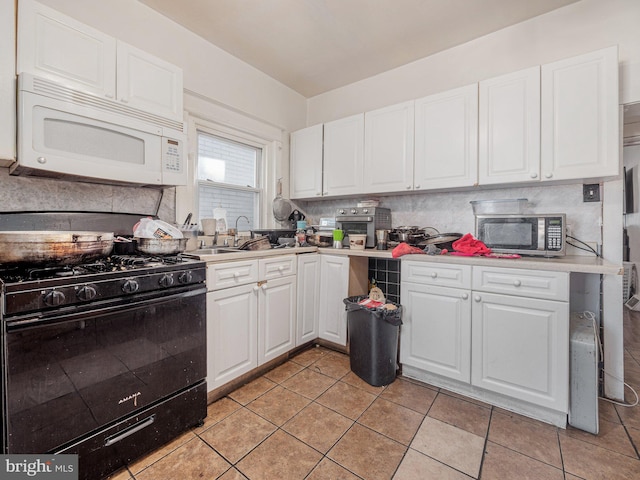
(65,132)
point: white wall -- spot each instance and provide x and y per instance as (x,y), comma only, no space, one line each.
(578,28)
(208,70)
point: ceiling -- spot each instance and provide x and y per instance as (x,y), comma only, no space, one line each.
(314,46)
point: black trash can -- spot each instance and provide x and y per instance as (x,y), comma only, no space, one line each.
(373,341)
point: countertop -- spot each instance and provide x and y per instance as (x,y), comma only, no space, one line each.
(568,263)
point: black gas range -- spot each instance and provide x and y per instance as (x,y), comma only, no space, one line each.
(39,288)
(106,360)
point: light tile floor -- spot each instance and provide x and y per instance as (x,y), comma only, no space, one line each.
(312,418)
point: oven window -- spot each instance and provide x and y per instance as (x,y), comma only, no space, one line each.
(354,227)
(76,374)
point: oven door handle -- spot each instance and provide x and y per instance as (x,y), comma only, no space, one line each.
(98,309)
(129,431)
(354,219)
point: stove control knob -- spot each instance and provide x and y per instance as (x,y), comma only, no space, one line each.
(166,280)
(130,286)
(341,211)
(354,211)
(365,210)
(54,298)
(86,292)
(186,277)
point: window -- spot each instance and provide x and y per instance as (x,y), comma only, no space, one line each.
(229,177)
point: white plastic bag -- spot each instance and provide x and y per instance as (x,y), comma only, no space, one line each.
(150,228)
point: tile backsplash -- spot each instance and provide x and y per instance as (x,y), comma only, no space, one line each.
(45,194)
(451,212)
(386,274)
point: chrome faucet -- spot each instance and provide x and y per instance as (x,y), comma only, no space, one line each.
(235,236)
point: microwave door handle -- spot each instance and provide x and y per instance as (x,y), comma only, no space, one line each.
(542,234)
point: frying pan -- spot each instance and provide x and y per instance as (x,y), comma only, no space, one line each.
(44,247)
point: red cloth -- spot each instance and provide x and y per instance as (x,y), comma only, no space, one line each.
(469,245)
(405,249)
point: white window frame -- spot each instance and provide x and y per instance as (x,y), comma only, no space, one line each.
(187,196)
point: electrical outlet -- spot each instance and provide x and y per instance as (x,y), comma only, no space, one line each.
(591,192)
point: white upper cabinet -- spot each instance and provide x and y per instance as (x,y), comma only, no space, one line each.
(306,162)
(57,47)
(580,117)
(509,128)
(388,149)
(7,87)
(343,156)
(446,139)
(148,83)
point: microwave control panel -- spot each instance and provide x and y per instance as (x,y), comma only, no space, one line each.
(174,170)
(554,236)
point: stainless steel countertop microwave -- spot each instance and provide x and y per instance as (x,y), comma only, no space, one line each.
(524,234)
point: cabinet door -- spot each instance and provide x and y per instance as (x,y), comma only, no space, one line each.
(276,318)
(148,83)
(509,128)
(334,288)
(232,325)
(55,46)
(580,117)
(7,86)
(343,156)
(446,143)
(388,149)
(436,330)
(308,304)
(306,162)
(521,348)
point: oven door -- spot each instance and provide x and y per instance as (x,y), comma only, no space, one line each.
(70,374)
(357,227)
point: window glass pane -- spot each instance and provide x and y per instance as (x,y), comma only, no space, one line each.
(235,202)
(225,161)
(229,178)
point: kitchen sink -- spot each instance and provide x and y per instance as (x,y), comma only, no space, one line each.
(213,250)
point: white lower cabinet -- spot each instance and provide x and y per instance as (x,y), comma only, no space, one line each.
(334,288)
(436,330)
(498,334)
(232,333)
(520,348)
(252,323)
(308,305)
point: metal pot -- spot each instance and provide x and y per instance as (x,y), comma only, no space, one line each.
(411,235)
(54,247)
(161,246)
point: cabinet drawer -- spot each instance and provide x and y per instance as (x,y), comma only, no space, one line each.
(231,274)
(436,274)
(524,283)
(276,267)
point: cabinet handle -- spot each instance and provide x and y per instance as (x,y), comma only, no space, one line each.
(477,299)
(318,194)
(41,160)
(108,95)
(434,274)
(465,296)
(325,193)
(256,288)
(417,186)
(408,187)
(264,286)
(281,268)
(236,274)
(548,175)
(517,283)
(534,175)
(124,100)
